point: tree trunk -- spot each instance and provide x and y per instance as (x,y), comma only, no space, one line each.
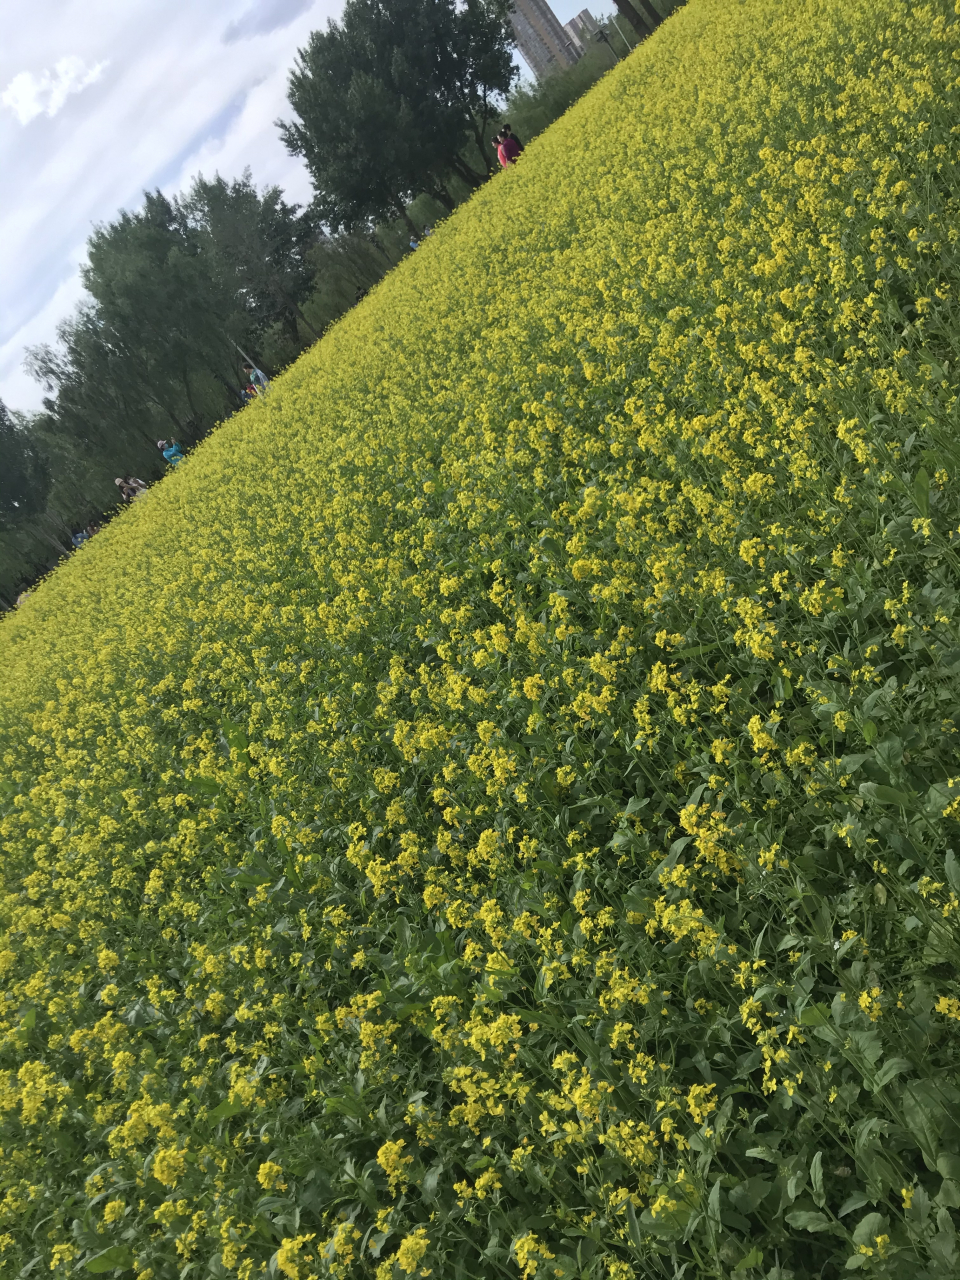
(305,321)
(643,26)
(402,210)
(290,328)
(478,134)
(232,391)
(178,425)
(186,385)
(378,244)
(52,540)
(470,177)
(443,196)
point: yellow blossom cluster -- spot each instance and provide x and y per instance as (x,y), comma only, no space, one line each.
(493,810)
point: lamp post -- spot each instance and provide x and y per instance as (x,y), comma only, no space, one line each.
(603,38)
(616,26)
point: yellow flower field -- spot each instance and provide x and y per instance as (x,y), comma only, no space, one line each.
(493,810)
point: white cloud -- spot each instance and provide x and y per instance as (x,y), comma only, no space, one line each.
(266,15)
(29,96)
(177,99)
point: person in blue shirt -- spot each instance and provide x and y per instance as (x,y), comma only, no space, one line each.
(256,378)
(171,451)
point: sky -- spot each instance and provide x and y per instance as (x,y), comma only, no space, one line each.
(103,99)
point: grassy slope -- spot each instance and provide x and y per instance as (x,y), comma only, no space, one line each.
(486,810)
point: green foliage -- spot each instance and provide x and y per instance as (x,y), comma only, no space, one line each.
(24,479)
(257,246)
(386,98)
(177,289)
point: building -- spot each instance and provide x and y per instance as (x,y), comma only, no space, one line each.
(582,28)
(546,45)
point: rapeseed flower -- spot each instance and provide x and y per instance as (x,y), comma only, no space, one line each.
(466,818)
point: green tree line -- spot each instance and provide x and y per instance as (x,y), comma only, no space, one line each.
(393,111)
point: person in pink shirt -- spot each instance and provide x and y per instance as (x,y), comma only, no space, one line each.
(507,149)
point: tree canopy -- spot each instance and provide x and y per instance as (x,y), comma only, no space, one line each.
(387,98)
(24,478)
(177,289)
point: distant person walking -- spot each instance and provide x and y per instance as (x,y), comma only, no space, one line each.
(130,487)
(171,451)
(507,149)
(256,378)
(508,132)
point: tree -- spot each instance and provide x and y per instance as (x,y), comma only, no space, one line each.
(151,352)
(24,476)
(256,246)
(485,71)
(167,320)
(642,28)
(386,99)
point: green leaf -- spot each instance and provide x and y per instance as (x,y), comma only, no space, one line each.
(763,1153)
(951,869)
(938,797)
(815,1015)
(869,731)
(27,1023)
(746,1195)
(808,1220)
(753,1259)
(224,1110)
(634,1227)
(856,1200)
(867,1043)
(868,1228)
(924,1116)
(816,1180)
(850,764)
(713,1203)
(696,650)
(892,1068)
(921,492)
(428,1188)
(884,795)
(113,1259)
